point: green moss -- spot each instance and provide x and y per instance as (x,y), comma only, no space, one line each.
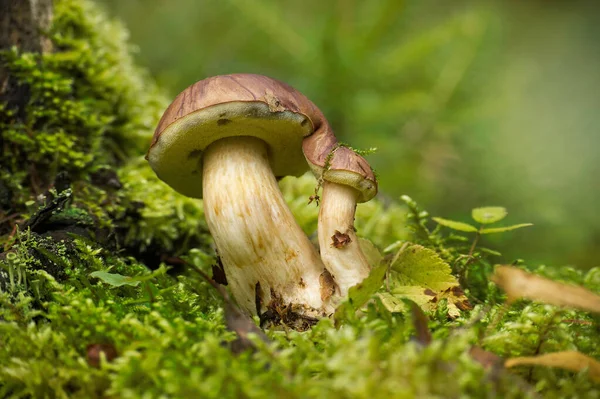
(87,105)
(168,333)
(167,219)
(90,110)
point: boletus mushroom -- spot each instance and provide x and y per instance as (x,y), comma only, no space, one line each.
(227,139)
(347,179)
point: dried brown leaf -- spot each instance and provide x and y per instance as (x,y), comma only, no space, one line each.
(327,283)
(568,360)
(235,319)
(218,273)
(429,299)
(94,353)
(520,284)
(420,322)
(487,359)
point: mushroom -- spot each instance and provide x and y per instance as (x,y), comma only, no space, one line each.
(346,178)
(227,139)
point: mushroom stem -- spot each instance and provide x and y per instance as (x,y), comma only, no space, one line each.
(255,233)
(340,249)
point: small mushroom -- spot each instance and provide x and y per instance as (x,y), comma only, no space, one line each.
(227,139)
(346,179)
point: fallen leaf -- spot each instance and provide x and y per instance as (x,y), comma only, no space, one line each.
(327,284)
(94,353)
(456,298)
(518,284)
(235,319)
(487,359)
(420,323)
(423,277)
(568,360)
(429,299)
(242,325)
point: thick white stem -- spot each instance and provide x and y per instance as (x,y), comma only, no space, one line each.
(256,235)
(340,249)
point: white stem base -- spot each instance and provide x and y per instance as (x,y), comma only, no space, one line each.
(256,235)
(346,262)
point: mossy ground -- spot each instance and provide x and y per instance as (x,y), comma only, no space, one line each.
(74,181)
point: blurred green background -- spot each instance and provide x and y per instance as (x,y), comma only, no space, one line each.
(470,103)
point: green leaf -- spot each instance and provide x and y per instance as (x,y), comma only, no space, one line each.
(370,251)
(489,214)
(393,247)
(422,267)
(391,303)
(361,293)
(454,225)
(423,277)
(113,279)
(489,251)
(503,229)
(147,277)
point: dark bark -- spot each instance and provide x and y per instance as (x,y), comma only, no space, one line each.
(23,24)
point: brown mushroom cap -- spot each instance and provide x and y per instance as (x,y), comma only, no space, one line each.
(338,164)
(258,106)
(348,168)
(226,106)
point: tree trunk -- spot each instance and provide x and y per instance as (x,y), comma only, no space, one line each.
(23,24)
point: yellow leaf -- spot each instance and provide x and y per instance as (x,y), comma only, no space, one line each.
(423,277)
(520,284)
(568,360)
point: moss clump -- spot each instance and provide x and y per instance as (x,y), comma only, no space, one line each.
(89,111)
(87,308)
(168,334)
(87,106)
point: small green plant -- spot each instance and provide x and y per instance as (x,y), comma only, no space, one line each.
(484,216)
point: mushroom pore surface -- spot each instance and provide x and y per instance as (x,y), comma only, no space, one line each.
(256,235)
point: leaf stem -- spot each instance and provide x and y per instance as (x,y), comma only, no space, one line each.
(475,241)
